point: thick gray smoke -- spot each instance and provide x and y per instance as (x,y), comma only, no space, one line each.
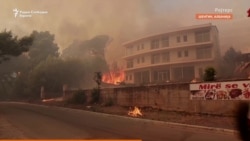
(123,20)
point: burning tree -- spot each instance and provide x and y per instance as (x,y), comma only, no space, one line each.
(114,76)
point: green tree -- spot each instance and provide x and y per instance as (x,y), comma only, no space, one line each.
(10,45)
(209,74)
(53,73)
(11,48)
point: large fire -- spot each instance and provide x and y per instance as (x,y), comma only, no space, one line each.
(113,77)
(135,113)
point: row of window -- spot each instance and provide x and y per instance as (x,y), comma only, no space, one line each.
(155,43)
(178,39)
(140,47)
(160,57)
(140,60)
(201,53)
(182,53)
(200,36)
(178,74)
(128,77)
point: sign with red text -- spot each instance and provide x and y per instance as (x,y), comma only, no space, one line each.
(233,90)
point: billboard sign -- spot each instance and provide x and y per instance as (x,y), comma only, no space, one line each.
(232,90)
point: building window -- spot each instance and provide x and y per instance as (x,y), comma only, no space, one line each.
(179,54)
(165,57)
(142,77)
(155,44)
(177,74)
(130,64)
(178,39)
(138,60)
(188,73)
(185,38)
(202,36)
(130,77)
(186,53)
(183,73)
(155,58)
(161,76)
(204,52)
(142,46)
(129,50)
(165,41)
(142,59)
(201,73)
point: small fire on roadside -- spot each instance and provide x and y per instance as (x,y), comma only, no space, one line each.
(136,112)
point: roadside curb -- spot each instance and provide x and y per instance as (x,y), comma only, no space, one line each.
(172,124)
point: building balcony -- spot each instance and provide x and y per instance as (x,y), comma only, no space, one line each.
(169,63)
(151,51)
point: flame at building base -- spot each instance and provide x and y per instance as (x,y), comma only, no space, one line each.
(113,77)
(135,113)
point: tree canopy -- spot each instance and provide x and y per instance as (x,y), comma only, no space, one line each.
(43,46)
(10,45)
(43,67)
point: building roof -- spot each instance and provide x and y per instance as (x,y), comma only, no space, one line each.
(170,31)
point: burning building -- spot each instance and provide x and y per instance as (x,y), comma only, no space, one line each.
(178,55)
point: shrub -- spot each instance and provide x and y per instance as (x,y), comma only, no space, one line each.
(95,96)
(109,102)
(209,74)
(79,97)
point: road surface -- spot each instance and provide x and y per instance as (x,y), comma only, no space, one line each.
(49,122)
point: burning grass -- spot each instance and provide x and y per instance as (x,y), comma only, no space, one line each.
(136,112)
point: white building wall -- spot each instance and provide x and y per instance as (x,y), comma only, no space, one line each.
(174,47)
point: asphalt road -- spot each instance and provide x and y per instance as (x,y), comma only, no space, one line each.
(45,122)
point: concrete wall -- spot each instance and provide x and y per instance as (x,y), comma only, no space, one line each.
(167,97)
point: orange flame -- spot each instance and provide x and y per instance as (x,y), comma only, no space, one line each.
(135,113)
(114,77)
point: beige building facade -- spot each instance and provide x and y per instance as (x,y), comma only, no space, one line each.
(179,55)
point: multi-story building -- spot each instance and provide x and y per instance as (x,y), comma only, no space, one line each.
(178,55)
